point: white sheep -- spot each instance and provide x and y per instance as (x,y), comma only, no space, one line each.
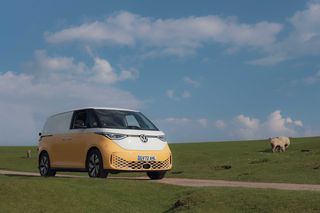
(279,144)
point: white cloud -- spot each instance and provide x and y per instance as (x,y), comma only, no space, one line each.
(274,56)
(203,122)
(302,40)
(103,72)
(18,126)
(56,67)
(178,121)
(43,61)
(183,36)
(186,94)
(247,122)
(295,122)
(191,81)
(275,125)
(114,30)
(128,75)
(172,36)
(298,123)
(219,124)
(170,93)
(44,66)
(54,84)
(182,129)
(289,120)
(26,101)
(240,127)
(307,23)
(246,126)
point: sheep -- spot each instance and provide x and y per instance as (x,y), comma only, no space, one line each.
(285,140)
(279,144)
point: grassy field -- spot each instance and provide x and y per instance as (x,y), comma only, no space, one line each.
(245,161)
(36,194)
(249,161)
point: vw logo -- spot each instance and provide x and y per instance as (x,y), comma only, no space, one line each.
(143,138)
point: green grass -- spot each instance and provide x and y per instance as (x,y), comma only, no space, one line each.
(249,161)
(36,194)
(245,161)
(15,158)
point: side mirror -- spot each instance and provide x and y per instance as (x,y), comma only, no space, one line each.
(79,124)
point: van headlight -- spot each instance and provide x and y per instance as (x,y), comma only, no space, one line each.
(112,136)
(163,138)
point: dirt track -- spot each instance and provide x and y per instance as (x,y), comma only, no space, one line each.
(195,182)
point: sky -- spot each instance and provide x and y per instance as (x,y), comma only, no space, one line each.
(200,70)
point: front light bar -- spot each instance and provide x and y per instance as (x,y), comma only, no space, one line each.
(117,136)
(112,136)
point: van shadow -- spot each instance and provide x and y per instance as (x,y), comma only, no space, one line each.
(68,177)
(34,176)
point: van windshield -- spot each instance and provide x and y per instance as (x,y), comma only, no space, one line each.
(119,119)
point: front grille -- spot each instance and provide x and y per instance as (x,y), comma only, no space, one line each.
(120,163)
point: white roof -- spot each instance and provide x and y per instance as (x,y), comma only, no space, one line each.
(107,108)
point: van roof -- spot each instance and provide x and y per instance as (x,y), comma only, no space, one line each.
(107,108)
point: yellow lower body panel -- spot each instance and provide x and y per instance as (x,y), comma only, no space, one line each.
(117,158)
(120,163)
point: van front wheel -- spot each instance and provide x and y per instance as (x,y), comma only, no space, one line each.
(156,175)
(95,165)
(44,166)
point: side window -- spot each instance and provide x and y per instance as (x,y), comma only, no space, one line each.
(92,120)
(132,122)
(80,120)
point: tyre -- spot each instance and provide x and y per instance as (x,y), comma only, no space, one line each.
(95,165)
(156,175)
(44,166)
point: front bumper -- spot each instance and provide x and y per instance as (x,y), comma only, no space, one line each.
(123,161)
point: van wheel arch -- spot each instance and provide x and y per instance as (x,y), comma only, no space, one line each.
(50,171)
(101,173)
(89,151)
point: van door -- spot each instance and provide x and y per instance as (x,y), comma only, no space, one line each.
(59,126)
(72,146)
(81,138)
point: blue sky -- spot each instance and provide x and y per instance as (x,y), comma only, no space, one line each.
(202,71)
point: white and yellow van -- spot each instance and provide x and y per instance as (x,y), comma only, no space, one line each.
(102,140)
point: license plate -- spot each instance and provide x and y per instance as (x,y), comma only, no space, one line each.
(146,158)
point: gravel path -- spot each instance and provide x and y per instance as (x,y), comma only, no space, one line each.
(226,183)
(195,182)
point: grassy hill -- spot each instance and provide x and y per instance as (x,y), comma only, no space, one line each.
(36,194)
(245,160)
(249,161)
